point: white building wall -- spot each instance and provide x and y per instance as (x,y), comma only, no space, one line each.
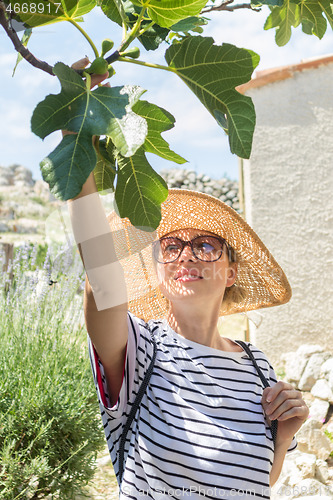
(288,189)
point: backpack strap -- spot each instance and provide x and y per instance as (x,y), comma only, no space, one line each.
(265,383)
(134,409)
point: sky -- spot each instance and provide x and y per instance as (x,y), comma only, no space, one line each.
(196,136)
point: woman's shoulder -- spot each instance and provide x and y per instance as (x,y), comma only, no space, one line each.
(256,350)
(260,356)
(157,327)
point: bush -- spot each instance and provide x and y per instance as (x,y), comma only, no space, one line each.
(50,428)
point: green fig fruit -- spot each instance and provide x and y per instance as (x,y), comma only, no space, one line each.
(134,53)
(107,45)
(99,66)
(111,71)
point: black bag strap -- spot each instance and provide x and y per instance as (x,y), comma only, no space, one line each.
(134,409)
(265,383)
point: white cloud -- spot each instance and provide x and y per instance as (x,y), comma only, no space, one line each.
(7,63)
(16,117)
(7,60)
(32,82)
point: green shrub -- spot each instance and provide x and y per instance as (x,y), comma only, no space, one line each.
(50,428)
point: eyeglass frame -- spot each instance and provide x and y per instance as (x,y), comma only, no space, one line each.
(185,243)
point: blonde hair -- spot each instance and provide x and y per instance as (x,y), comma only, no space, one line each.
(233,294)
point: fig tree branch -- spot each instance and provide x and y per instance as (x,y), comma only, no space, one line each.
(19,47)
(226,5)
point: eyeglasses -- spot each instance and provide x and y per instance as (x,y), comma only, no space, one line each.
(205,248)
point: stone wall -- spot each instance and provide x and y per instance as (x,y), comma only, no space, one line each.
(308,471)
(288,186)
(224,189)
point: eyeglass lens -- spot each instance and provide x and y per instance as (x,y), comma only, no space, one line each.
(206,248)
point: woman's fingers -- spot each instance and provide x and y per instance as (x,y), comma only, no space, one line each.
(285,408)
(282,401)
(96,79)
(284,395)
(81,64)
(299,410)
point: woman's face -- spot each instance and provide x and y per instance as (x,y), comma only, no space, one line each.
(189,278)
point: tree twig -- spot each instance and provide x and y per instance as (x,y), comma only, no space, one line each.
(19,47)
(225,5)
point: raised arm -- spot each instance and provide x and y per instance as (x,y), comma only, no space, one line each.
(105,297)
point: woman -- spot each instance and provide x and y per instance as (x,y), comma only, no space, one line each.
(202,429)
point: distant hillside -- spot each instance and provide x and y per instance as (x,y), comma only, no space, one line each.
(25,203)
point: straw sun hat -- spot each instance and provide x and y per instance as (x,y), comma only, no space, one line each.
(260,280)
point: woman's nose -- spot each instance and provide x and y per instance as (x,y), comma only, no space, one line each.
(187,253)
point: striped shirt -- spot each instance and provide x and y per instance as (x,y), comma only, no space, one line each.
(200,431)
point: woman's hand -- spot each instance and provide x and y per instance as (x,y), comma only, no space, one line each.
(284,403)
(95,80)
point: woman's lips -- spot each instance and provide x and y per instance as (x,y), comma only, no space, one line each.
(186,274)
(188,277)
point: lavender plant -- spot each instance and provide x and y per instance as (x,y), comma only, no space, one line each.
(50,431)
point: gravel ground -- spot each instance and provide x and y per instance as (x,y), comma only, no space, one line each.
(104,485)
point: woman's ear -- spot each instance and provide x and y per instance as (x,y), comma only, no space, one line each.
(232,274)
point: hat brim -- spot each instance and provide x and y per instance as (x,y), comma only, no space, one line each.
(260,278)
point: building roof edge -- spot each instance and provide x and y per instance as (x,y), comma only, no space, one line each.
(273,75)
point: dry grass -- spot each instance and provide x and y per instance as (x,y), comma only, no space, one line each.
(104,485)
